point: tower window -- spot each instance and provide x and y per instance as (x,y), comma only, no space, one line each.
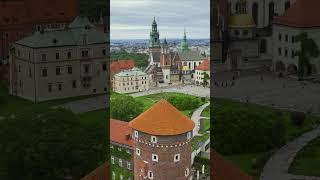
(176,158)
(150,174)
(136,134)
(186,172)
(112,160)
(189,135)
(138,151)
(120,162)
(155,157)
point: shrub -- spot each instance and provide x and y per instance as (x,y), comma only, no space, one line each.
(125,107)
(184,102)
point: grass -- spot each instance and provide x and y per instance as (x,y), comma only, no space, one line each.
(206,112)
(206,125)
(307,160)
(245,161)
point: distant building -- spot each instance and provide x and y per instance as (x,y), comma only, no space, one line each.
(20,18)
(203,68)
(120,65)
(167,66)
(59,64)
(129,81)
(298,19)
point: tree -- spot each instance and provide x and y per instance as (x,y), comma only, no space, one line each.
(50,145)
(124,107)
(308,49)
(205,78)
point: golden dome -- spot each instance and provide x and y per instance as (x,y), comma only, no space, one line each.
(241,21)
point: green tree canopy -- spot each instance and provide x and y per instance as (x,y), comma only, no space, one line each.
(141,60)
(124,107)
(50,145)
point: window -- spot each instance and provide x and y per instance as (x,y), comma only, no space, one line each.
(43,57)
(150,174)
(280,37)
(86,68)
(120,162)
(155,157)
(136,134)
(186,172)
(121,177)
(58,72)
(138,151)
(85,53)
(104,52)
(279,51)
(74,84)
(49,87)
(30,73)
(245,32)
(286,38)
(19,68)
(112,160)
(44,72)
(292,39)
(153,139)
(69,69)
(60,87)
(69,55)
(119,149)
(57,55)
(236,32)
(176,157)
(113,175)
(292,54)
(286,52)
(128,165)
(189,135)
(104,67)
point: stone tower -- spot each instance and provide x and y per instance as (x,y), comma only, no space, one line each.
(162,147)
(154,45)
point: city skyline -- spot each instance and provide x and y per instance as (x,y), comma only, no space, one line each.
(172,18)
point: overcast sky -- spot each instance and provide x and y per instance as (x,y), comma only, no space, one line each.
(132,19)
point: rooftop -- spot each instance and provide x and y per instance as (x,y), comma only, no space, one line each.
(301,14)
(241,21)
(120,132)
(162,119)
(120,65)
(131,72)
(204,66)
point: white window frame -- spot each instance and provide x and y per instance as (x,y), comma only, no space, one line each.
(156,159)
(153,139)
(136,134)
(138,151)
(112,160)
(150,176)
(128,165)
(121,177)
(186,172)
(120,162)
(113,175)
(174,158)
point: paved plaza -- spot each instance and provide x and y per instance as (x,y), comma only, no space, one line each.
(268,89)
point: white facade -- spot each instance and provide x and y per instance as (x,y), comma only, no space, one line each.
(198,77)
(284,48)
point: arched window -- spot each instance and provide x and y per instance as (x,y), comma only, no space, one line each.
(271,12)
(255,12)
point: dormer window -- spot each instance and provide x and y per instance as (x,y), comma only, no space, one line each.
(136,134)
(153,139)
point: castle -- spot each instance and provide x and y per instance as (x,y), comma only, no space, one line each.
(167,66)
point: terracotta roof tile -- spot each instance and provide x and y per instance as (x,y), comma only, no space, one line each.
(224,170)
(162,119)
(204,66)
(301,14)
(120,65)
(120,132)
(101,173)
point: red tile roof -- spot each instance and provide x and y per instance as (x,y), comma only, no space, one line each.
(101,173)
(120,132)
(162,119)
(120,65)
(204,66)
(301,14)
(225,170)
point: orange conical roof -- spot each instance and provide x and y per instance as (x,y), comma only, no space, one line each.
(162,119)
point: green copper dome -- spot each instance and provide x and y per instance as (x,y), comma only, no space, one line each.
(184,44)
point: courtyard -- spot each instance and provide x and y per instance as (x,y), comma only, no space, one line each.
(265,88)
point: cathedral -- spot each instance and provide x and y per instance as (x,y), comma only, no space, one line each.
(168,66)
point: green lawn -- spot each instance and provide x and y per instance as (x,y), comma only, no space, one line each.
(206,112)
(198,139)
(206,125)
(307,161)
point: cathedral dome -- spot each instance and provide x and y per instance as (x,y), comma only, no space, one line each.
(241,21)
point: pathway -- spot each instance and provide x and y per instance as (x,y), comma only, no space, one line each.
(277,166)
(196,117)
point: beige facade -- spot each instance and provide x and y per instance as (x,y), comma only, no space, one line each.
(44,69)
(129,81)
(198,77)
(284,48)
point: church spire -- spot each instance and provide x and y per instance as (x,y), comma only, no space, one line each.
(184,43)
(154,35)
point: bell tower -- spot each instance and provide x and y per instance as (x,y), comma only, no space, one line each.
(154,41)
